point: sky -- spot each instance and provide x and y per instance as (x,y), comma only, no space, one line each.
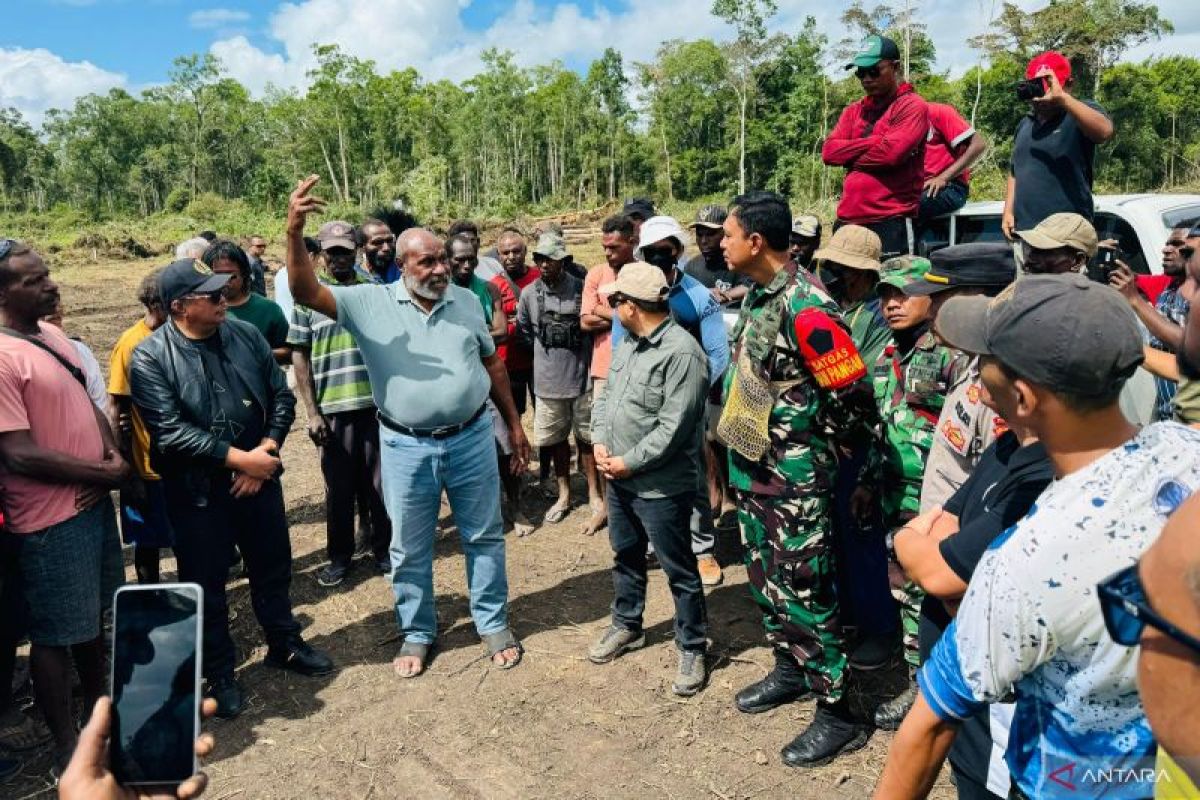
(53,51)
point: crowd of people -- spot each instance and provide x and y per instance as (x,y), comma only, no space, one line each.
(932,458)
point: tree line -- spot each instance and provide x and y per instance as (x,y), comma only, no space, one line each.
(701,120)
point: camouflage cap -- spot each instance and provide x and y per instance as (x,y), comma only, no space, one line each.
(711,216)
(903,271)
(551,246)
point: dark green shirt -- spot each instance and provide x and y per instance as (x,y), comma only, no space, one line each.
(265,315)
(651,413)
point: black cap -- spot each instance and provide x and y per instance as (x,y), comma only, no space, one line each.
(639,206)
(1064,332)
(985,264)
(188,276)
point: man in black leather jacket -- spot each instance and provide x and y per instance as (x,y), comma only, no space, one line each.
(218,408)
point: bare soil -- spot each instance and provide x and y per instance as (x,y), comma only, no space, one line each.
(556,726)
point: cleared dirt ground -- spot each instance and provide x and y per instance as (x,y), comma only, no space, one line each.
(557,726)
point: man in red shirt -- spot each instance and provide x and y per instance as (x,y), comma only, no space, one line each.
(951,149)
(516,355)
(880,140)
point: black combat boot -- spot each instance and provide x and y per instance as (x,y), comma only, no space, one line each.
(784,684)
(833,731)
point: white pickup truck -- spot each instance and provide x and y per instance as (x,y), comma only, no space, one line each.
(1140,222)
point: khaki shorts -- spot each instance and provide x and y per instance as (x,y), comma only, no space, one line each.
(553,420)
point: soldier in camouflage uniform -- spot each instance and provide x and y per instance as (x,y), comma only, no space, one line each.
(791,334)
(911,378)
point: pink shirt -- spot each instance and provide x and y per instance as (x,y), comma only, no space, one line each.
(38,395)
(601,342)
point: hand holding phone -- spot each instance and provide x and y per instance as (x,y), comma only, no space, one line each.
(156,656)
(87,776)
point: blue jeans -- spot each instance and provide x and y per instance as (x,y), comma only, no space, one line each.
(415,472)
(947,201)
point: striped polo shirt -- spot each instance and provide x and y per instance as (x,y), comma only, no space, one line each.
(338,373)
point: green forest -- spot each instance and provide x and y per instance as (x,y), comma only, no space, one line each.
(701,121)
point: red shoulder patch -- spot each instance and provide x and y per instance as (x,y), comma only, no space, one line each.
(828,351)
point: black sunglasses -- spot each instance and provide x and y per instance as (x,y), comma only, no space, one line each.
(867,72)
(213,297)
(1127,612)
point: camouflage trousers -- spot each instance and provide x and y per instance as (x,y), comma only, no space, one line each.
(909,597)
(788,550)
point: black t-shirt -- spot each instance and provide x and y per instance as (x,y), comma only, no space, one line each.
(238,418)
(1053,164)
(1004,485)
(697,267)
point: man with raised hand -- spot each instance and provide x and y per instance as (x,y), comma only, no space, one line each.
(432,365)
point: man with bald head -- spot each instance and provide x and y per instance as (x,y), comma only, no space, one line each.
(432,364)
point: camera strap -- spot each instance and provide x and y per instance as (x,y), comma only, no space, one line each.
(75,371)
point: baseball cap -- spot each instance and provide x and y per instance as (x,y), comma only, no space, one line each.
(806,225)
(853,246)
(1053,59)
(552,246)
(638,280)
(710,217)
(638,206)
(1064,332)
(903,271)
(873,50)
(1063,229)
(975,264)
(658,228)
(337,233)
(188,276)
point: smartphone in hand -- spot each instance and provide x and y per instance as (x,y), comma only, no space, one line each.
(157,647)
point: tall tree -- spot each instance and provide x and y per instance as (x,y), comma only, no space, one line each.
(747,54)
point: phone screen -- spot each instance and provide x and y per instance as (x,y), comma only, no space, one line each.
(155,683)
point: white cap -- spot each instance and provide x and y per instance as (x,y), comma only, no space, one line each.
(658,228)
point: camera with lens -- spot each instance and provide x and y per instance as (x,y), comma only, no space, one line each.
(560,331)
(1031,89)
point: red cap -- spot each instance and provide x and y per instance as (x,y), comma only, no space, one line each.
(1053,59)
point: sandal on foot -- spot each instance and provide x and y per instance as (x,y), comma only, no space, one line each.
(418,650)
(557,513)
(499,642)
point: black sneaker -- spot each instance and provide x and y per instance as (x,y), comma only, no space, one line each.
(231,700)
(831,733)
(332,574)
(363,547)
(298,656)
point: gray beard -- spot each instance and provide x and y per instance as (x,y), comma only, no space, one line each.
(419,289)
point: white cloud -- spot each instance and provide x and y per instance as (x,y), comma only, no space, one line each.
(35,81)
(430,34)
(211,18)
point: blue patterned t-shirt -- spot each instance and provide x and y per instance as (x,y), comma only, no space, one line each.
(1031,622)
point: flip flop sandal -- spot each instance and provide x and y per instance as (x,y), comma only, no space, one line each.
(556,513)
(418,650)
(499,642)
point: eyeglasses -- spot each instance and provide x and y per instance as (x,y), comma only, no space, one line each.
(213,297)
(867,72)
(6,247)
(615,300)
(1127,612)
